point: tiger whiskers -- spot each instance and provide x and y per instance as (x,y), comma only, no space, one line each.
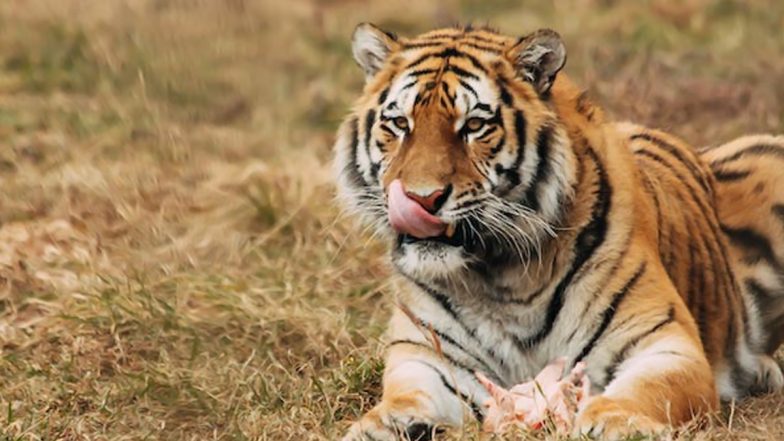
(371,208)
(521,211)
(508,223)
(535,226)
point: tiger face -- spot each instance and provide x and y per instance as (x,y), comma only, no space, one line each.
(453,150)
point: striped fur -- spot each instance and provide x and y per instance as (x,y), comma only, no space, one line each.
(603,242)
(750,207)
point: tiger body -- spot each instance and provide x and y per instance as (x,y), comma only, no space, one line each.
(549,232)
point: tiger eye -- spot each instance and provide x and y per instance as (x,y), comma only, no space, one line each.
(474,124)
(401,122)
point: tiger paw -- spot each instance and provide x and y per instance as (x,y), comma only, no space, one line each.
(769,378)
(380,425)
(606,419)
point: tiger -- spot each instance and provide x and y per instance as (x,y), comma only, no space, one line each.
(525,225)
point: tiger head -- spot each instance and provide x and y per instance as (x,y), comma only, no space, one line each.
(454,150)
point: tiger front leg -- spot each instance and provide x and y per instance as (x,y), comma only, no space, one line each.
(665,381)
(422,392)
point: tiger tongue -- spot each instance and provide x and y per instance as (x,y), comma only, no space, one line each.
(408,217)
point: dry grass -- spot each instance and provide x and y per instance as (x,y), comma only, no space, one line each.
(171,263)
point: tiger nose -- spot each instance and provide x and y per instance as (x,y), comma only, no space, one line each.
(433,201)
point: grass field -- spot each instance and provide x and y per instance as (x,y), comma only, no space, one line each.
(172,264)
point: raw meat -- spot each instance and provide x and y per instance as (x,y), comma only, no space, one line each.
(546,401)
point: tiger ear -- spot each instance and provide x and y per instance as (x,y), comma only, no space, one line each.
(371,47)
(538,58)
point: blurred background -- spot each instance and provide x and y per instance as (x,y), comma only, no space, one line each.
(172,264)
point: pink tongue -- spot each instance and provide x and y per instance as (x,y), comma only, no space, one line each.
(408,217)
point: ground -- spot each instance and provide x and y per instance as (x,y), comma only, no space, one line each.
(172,264)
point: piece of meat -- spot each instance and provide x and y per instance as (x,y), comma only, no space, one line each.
(547,400)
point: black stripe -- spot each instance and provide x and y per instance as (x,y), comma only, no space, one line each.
(468,87)
(678,154)
(518,301)
(605,281)
(442,354)
(730,342)
(666,248)
(490,131)
(512,174)
(676,353)
(388,130)
(370,119)
(695,279)
(475,409)
(506,97)
(778,211)
(757,246)
(352,168)
(717,254)
(445,89)
(620,356)
(420,72)
(763,299)
(420,97)
(383,96)
(460,72)
(474,62)
(656,204)
(756,289)
(481,47)
(746,322)
(422,58)
(470,203)
(424,44)
(445,303)
(755,150)
(695,291)
(449,36)
(440,38)
(392,36)
(409,85)
(367,436)
(498,119)
(481,38)
(590,238)
(542,167)
(609,312)
(483,106)
(723,175)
